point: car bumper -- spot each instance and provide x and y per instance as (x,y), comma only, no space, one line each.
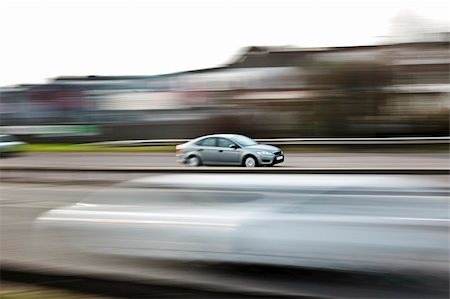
(181,158)
(271,160)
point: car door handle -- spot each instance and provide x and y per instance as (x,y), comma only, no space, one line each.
(220,151)
(200,150)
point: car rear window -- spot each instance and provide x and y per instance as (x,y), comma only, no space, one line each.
(207,142)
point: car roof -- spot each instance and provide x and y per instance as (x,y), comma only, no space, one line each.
(220,135)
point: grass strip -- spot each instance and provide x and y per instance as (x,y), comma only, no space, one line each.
(27,291)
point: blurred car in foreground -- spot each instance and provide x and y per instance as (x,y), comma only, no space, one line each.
(10,145)
(363,223)
(228,149)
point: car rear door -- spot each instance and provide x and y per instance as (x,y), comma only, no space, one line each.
(208,149)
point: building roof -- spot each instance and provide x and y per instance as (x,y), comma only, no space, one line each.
(268,56)
(143,77)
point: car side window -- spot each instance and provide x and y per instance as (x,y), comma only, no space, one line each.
(207,142)
(225,142)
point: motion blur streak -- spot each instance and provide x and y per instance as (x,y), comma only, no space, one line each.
(113,221)
(350,219)
(316,221)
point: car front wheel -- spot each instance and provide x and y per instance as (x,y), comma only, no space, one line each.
(250,162)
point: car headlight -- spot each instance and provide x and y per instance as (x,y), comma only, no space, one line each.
(264,153)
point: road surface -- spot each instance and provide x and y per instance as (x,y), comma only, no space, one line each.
(22,203)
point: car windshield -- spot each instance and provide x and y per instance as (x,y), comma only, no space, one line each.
(244,141)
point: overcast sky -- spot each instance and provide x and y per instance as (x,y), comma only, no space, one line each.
(45,39)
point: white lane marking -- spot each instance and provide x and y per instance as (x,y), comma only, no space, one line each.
(229,214)
(117,221)
(85,204)
(318,218)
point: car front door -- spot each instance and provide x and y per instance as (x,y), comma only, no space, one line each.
(226,154)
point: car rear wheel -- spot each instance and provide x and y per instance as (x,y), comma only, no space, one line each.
(193,161)
(250,162)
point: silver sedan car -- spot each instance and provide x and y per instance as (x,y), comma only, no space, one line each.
(10,145)
(228,149)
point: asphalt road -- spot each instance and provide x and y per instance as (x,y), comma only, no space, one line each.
(21,204)
(309,160)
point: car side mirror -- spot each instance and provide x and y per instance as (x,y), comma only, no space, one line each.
(234,146)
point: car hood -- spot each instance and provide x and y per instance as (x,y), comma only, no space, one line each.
(263,147)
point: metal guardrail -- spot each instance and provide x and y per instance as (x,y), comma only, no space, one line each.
(359,141)
(295,141)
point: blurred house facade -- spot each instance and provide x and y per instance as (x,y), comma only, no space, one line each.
(382,90)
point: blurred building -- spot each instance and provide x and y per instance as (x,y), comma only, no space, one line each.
(265,91)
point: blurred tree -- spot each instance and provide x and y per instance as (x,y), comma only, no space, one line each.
(350,97)
(407,27)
